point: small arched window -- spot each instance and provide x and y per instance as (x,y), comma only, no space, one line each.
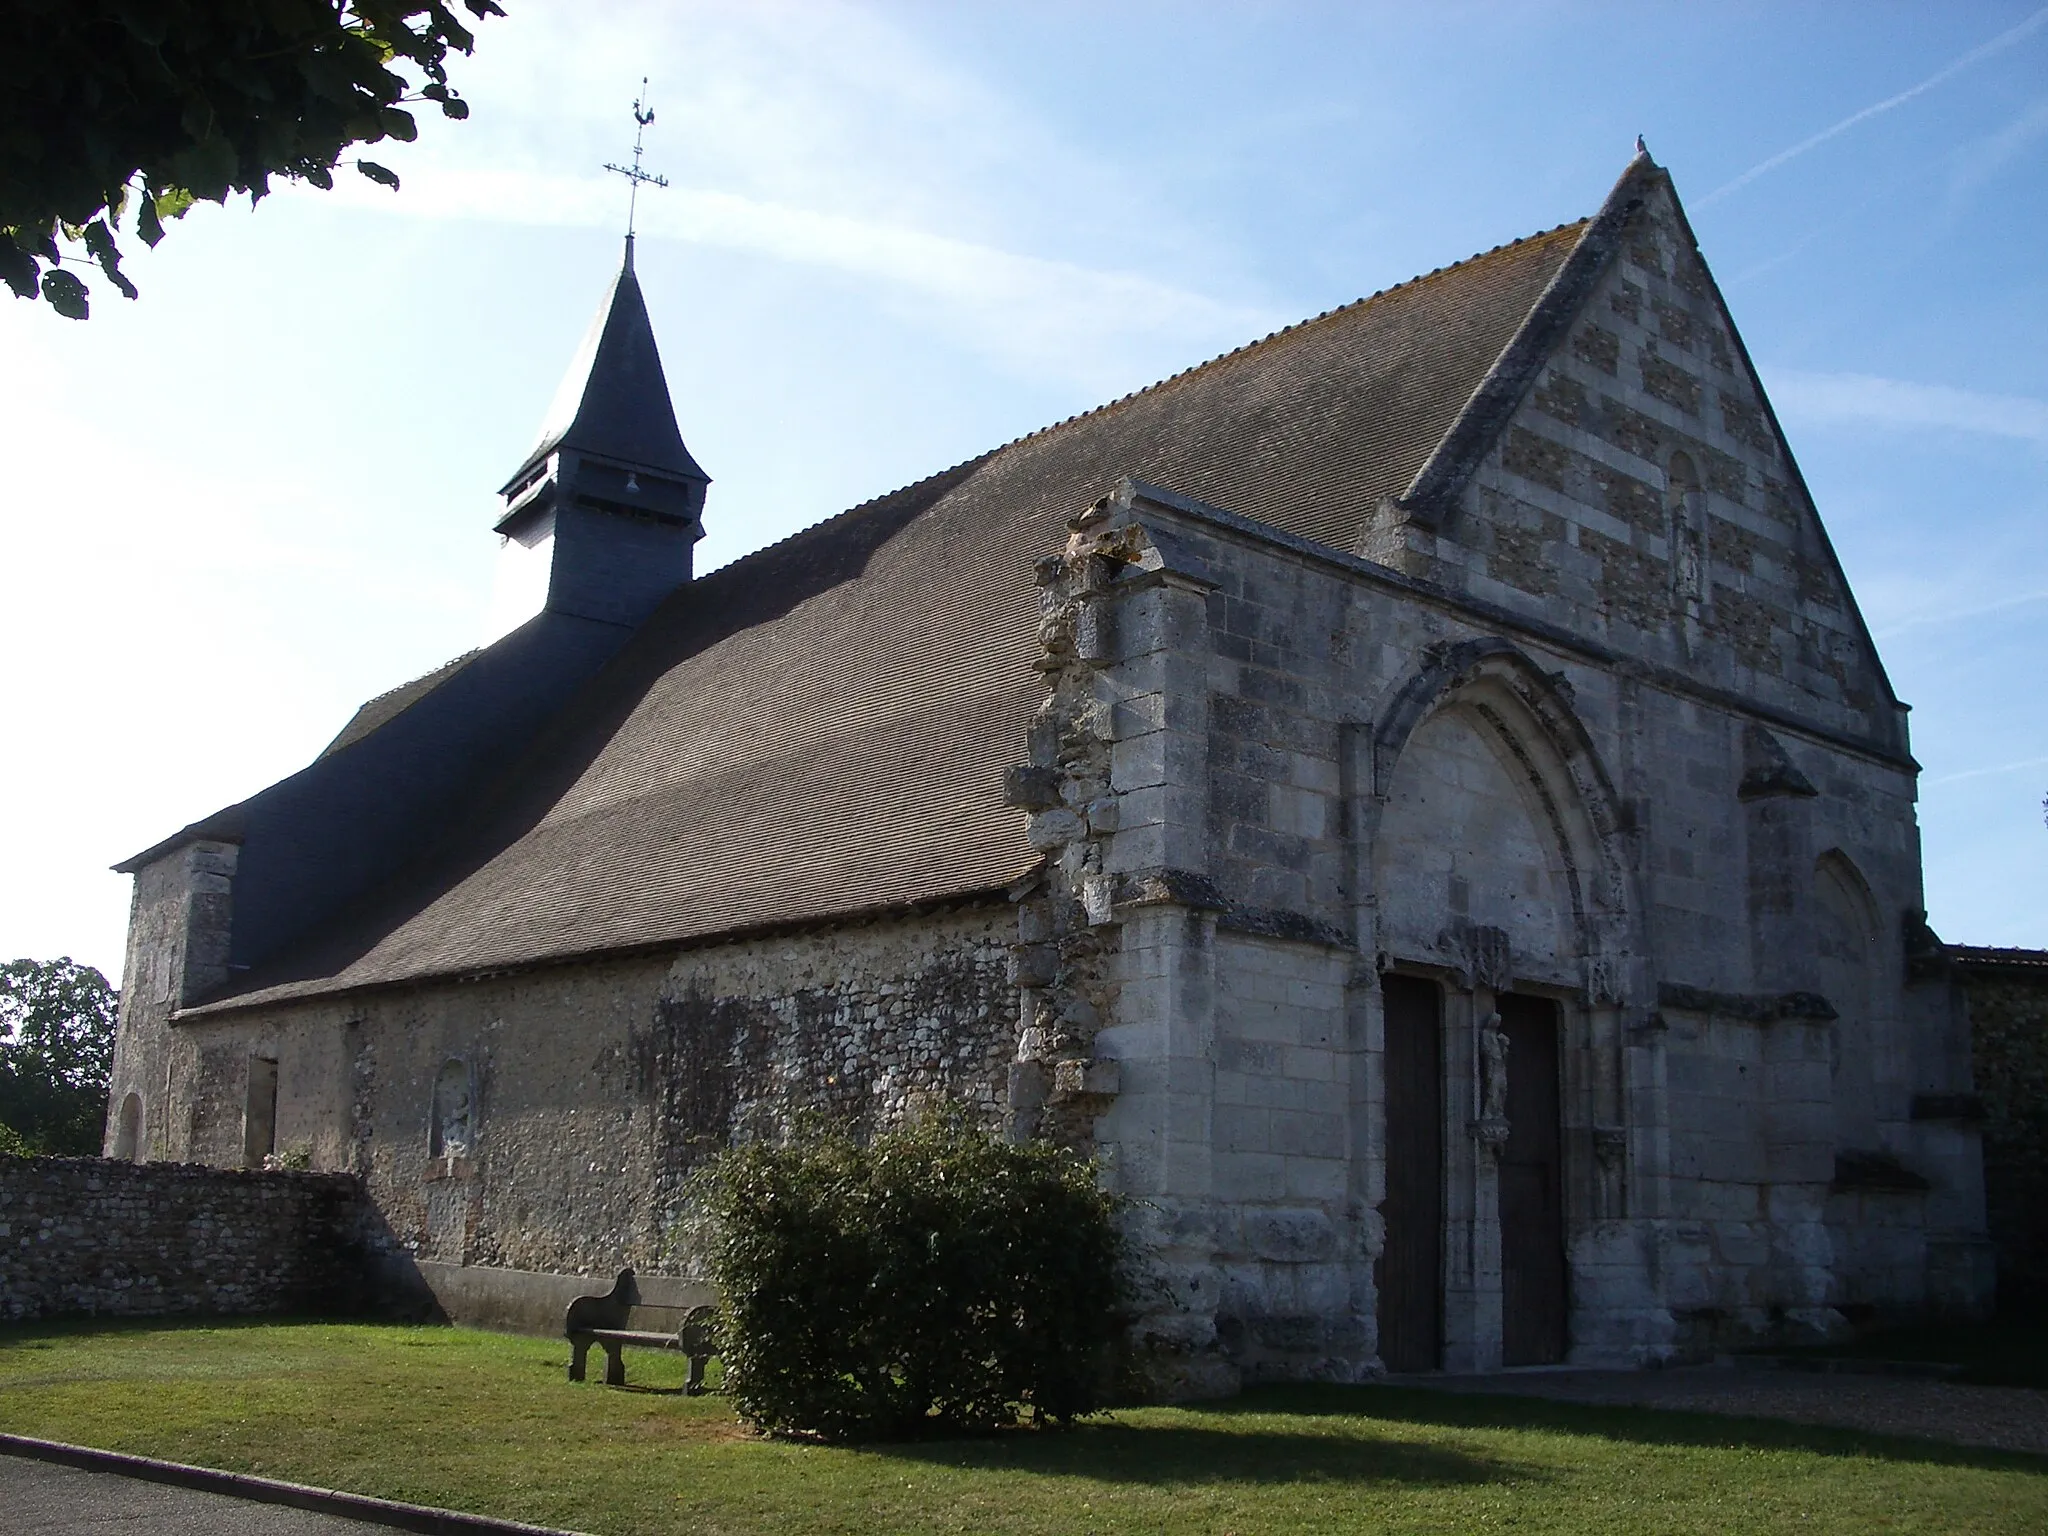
(1685,515)
(128,1130)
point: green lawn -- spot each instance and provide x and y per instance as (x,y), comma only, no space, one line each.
(477,1421)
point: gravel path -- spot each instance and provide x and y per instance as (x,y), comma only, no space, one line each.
(2000,1418)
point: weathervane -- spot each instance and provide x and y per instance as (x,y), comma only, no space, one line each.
(642,115)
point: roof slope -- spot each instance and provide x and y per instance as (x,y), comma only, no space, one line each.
(822,727)
(386,707)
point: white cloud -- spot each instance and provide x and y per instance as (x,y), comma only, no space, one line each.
(1985,773)
(1983,160)
(823,135)
(1860,399)
(1942,76)
(1049,317)
(1955,600)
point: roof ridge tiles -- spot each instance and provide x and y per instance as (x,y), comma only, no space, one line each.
(1274,335)
(844,514)
(378,698)
(1147,389)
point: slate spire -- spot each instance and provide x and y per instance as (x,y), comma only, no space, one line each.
(609,484)
(613,402)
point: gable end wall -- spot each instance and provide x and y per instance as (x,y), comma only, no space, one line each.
(1571,515)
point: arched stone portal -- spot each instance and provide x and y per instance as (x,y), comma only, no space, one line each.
(1497,873)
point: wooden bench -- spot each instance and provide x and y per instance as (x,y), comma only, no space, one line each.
(682,1311)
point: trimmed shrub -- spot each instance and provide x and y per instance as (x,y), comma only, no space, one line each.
(934,1279)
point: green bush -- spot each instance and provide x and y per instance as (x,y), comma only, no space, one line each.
(934,1279)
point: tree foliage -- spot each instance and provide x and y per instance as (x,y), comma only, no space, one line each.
(934,1279)
(56,1046)
(152,105)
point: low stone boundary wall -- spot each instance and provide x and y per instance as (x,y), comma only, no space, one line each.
(527,1301)
(88,1237)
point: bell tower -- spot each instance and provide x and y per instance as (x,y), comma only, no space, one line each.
(601,519)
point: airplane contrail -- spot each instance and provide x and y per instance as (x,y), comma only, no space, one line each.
(1948,72)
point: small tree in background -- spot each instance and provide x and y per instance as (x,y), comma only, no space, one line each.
(934,1279)
(56,1047)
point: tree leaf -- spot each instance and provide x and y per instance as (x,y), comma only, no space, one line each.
(17,268)
(378,174)
(100,241)
(66,294)
(159,104)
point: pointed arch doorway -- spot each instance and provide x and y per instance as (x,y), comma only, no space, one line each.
(1498,873)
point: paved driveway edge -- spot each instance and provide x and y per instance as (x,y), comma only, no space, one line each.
(267,1490)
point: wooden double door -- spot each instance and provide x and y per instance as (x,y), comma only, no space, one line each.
(1533,1297)
(1410,1273)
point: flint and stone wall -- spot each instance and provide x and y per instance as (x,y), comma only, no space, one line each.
(2009,1025)
(544,1122)
(83,1237)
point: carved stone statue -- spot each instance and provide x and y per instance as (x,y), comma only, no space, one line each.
(1493,1070)
(451,1127)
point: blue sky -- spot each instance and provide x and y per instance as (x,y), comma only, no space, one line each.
(898,234)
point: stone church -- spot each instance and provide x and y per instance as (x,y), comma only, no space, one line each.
(1413,797)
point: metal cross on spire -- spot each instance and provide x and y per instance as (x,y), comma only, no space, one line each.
(642,116)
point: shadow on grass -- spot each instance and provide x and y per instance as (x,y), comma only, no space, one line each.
(1450,1409)
(1172,1455)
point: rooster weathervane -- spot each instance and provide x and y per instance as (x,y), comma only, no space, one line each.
(642,116)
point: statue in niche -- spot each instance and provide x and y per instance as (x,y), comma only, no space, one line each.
(1493,1070)
(452,1126)
(1688,547)
(1691,578)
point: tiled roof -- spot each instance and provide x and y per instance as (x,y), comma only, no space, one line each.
(821,728)
(388,706)
(1982,956)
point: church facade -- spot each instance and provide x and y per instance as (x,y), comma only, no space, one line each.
(1414,798)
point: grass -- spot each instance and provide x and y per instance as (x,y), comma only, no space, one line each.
(483,1422)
